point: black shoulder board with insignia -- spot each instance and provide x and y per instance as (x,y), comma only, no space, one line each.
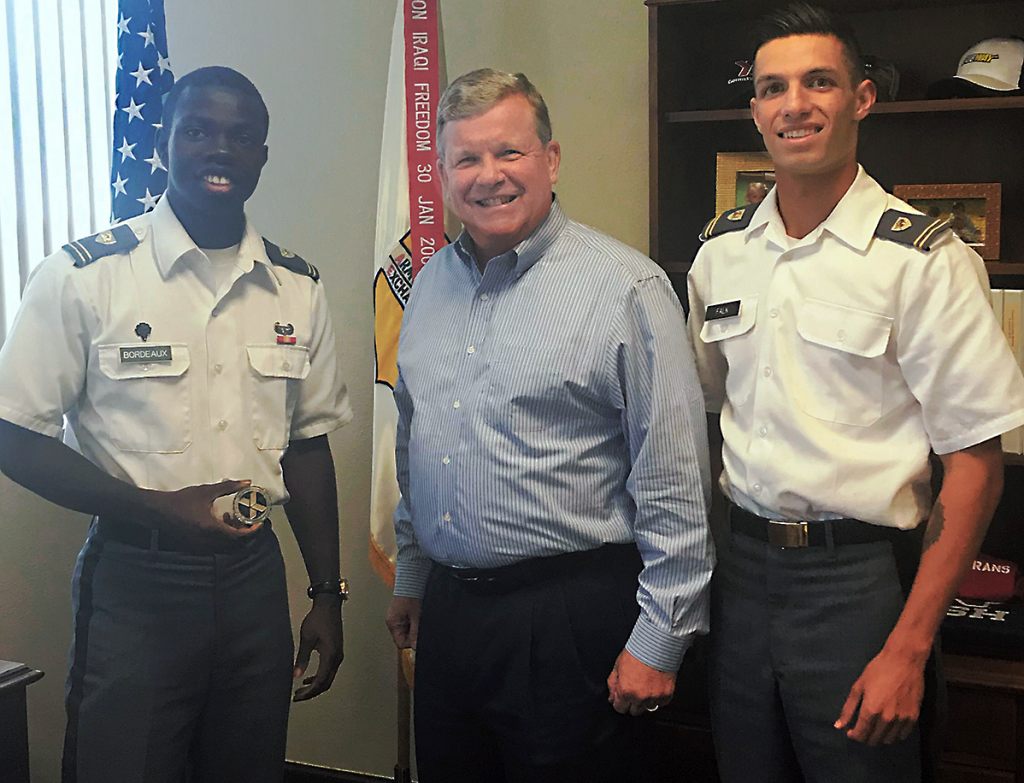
(911,229)
(280,257)
(733,220)
(119,239)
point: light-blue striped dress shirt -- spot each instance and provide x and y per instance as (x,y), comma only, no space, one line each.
(551,405)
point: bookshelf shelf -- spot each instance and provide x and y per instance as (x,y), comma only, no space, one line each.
(894,107)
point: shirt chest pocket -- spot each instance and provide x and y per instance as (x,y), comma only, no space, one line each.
(146,406)
(734,338)
(527,390)
(276,371)
(840,363)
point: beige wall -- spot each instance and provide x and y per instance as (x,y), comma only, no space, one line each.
(322,68)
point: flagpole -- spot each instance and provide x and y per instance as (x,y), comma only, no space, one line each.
(403,771)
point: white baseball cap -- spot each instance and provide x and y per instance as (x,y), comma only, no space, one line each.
(992,66)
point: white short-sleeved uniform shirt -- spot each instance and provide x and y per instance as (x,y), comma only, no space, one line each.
(239,371)
(850,358)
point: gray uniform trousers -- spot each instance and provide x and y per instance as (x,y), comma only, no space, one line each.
(180,667)
(791,631)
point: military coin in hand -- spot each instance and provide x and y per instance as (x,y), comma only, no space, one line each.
(251,505)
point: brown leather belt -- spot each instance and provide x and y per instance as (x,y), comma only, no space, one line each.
(794,534)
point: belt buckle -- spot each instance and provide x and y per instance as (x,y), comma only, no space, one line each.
(786,535)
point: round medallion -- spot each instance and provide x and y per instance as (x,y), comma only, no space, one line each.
(251,505)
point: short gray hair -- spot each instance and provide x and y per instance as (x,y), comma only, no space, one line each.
(474,93)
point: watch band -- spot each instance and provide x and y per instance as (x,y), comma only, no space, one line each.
(338,587)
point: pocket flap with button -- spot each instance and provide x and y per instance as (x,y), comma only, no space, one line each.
(112,365)
(734,326)
(843,328)
(279,361)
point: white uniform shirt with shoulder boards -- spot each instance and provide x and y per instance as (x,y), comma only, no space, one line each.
(238,375)
(849,358)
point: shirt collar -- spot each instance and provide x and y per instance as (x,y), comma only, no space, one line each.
(853,221)
(531,249)
(856,216)
(171,242)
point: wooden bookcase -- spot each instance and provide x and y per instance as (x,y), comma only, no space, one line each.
(693,116)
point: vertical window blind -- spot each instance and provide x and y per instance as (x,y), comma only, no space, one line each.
(55,131)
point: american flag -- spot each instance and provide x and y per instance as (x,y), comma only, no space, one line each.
(138,176)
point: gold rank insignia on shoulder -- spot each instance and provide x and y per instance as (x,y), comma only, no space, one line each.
(117,240)
(733,220)
(280,257)
(911,229)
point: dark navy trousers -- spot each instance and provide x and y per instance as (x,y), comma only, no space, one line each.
(511,674)
(180,667)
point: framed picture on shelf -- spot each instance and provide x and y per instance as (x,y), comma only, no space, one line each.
(972,208)
(743,178)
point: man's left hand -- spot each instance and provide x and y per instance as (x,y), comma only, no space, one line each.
(636,688)
(321,631)
(885,699)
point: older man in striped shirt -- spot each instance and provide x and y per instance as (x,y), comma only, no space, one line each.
(554,553)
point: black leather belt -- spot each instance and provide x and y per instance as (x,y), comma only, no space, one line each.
(141,537)
(525,572)
(790,534)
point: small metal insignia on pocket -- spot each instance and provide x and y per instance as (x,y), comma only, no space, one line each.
(285,333)
(143,330)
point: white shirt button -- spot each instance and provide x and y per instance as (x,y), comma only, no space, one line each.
(218,368)
(757,489)
(767,372)
(446,460)
(447,517)
(841,335)
(471,349)
(774,312)
(144,368)
(286,366)
(483,297)
(456,404)
(763,432)
(222,424)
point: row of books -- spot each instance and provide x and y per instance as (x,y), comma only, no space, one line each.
(1008,305)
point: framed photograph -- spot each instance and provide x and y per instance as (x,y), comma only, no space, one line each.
(743,178)
(972,208)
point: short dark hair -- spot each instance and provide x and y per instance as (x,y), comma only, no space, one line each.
(212,76)
(806,19)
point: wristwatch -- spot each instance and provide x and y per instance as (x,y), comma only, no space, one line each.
(338,587)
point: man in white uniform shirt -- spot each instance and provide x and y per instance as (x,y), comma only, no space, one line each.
(187,374)
(842,336)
